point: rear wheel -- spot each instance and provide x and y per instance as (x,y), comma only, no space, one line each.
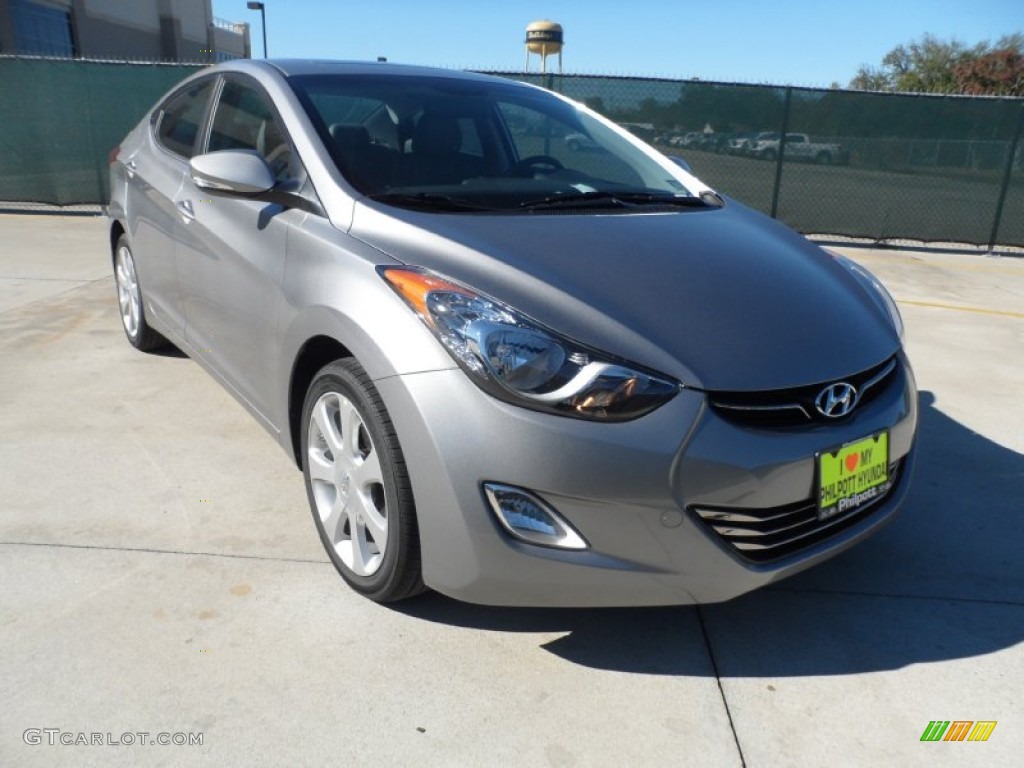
(358,486)
(823,158)
(129,300)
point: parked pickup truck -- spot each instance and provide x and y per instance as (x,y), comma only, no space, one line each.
(798,147)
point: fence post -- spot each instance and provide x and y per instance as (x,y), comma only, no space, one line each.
(1006,180)
(782,151)
(99,156)
(549,83)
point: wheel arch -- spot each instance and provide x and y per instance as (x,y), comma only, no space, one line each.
(314,354)
(116,230)
(376,329)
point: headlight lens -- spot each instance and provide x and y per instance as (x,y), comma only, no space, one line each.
(517,360)
(875,288)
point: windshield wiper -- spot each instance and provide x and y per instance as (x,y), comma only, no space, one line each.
(624,199)
(427,201)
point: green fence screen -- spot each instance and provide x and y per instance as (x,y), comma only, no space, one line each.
(60,119)
(866,165)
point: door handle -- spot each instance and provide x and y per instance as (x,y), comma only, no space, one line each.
(185,209)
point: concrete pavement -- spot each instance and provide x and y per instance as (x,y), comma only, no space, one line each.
(160,573)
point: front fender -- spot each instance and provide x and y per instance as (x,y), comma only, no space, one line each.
(333,291)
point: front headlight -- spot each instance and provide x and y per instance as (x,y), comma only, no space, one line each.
(519,361)
(875,288)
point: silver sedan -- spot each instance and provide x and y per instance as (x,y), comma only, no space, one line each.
(510,372)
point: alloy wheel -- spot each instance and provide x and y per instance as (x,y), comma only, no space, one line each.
(128,291)
(347,483)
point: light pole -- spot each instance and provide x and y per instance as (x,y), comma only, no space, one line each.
(263,22)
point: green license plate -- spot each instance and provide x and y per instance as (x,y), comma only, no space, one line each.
(852,476)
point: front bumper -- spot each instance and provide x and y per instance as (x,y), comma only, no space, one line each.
(630,489)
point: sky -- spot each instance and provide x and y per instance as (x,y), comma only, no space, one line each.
(788,42)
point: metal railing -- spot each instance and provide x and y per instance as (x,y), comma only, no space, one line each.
(238,27)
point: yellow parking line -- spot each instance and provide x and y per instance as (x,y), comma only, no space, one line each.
(976,310)
(939,264)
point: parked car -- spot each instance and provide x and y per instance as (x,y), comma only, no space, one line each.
(739,143)
(683,139)
(713,142)
(692,139)
(798,147)
(759,142)
(577,141)
(513,376)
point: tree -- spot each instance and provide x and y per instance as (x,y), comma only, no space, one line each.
(931,65)
(999,73)
(872,79)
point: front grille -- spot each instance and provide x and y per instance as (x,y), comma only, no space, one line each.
(795,406)
(764,535)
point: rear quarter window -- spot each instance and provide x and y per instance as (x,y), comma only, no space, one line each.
(181,118)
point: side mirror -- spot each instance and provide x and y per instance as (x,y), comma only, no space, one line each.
(240,171)
(681,163)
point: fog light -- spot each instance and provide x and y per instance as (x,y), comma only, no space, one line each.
(528,518)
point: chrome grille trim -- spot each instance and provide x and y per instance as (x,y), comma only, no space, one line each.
(789,407)
(736,516)
(764,535)
(731,531)
(878,377)
(795,407)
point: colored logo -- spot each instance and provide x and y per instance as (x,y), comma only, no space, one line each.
(958,730)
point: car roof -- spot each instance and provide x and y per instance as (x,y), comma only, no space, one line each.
(300,67)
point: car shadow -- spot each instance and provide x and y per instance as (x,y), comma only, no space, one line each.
(168,350)
(944,581)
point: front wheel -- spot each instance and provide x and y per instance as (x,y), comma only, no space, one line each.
(358,486)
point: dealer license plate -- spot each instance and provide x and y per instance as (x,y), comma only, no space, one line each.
(852,476)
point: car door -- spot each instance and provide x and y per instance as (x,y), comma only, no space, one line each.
(155,170)
(231,258)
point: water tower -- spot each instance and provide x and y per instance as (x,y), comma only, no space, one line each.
(544,38)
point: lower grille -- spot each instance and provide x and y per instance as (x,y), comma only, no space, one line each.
(764,535)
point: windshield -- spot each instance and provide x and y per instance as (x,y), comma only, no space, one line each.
(447,144)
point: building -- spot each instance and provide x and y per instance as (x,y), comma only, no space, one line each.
(148,30)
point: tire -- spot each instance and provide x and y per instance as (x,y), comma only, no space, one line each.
(769,154)
(823,158)
(129,300)
(358,486)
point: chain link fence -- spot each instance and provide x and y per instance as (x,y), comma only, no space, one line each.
(832,162)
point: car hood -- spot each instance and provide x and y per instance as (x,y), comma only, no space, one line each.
(722,298)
